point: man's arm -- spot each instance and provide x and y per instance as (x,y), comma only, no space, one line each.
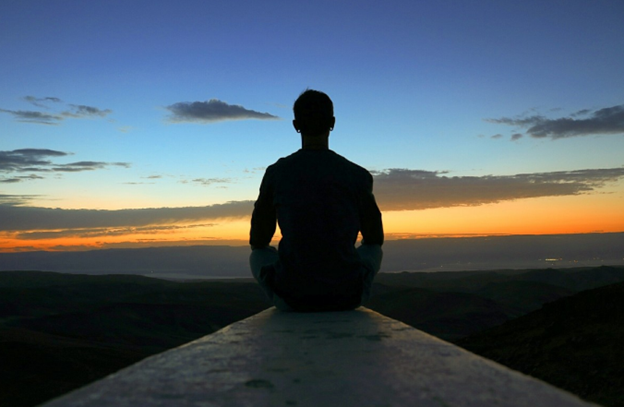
(263,218)
(370,216)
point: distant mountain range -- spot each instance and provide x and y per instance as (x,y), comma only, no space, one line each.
(61,331)
(428,254)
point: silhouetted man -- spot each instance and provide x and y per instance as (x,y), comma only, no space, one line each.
(321,202)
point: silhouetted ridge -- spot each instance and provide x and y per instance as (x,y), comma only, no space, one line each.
(574,343)
(452,305)
(62,331)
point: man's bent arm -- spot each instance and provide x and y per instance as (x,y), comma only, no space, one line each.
(262,229)
(370,218)
(263,219)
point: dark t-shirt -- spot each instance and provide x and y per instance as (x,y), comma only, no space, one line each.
(321,201)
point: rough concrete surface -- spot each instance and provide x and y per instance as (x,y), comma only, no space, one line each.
(352,358)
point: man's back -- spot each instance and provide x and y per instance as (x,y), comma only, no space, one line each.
(321,201)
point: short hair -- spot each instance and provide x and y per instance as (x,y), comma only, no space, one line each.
(314,112)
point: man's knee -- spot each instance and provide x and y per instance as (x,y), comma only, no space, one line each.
(372,254)
(260,258)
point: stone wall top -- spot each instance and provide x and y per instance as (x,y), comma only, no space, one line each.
(352,358)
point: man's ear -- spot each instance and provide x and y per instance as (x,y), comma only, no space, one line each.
(295,126)
(333,123)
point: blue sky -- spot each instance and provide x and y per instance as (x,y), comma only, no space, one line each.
(440,87)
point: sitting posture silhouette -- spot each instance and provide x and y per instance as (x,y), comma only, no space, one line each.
(321,202)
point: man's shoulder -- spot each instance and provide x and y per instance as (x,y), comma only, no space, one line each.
(355,169)
(355,166)
(328,156)
(302,159)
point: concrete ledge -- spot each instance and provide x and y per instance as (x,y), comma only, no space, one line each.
(353,358)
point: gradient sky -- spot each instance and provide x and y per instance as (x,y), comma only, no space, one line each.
(134,123)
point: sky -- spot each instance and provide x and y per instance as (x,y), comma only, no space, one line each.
(149,123)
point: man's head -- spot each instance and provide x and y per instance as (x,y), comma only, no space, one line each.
(314,113)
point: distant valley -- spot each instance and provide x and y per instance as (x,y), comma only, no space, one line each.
(62,331)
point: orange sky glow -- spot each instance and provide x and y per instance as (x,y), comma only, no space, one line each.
(597,213)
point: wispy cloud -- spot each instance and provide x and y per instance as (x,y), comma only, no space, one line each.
(404,189)
(23,218)
(73,111)
(39,160)
(211,111)
(82,111)
(586,122)
(210,181)
(41,102)
(20,178)
(86,166)
(16,200)
(83,233)
(27,159)
(29,116)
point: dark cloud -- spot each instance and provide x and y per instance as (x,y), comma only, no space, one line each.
(497,136)
(29,218)
(29,116)
(82,111)
(41,102)
(212,110)
(38,160)
(27,158)
(403,189)
(516,136)
(581,112)
(609,120)
(75,112)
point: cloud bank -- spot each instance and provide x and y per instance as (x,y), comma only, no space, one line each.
(24,218)
(211,111)
(585,122)
(395,190)
(404,189)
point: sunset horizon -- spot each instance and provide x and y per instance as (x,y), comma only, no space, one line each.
(151,124)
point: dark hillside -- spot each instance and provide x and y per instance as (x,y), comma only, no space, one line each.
(451,305)
(575,343)
(574,279)
(521,297)
(62,331)
(577,279)
(446,315)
